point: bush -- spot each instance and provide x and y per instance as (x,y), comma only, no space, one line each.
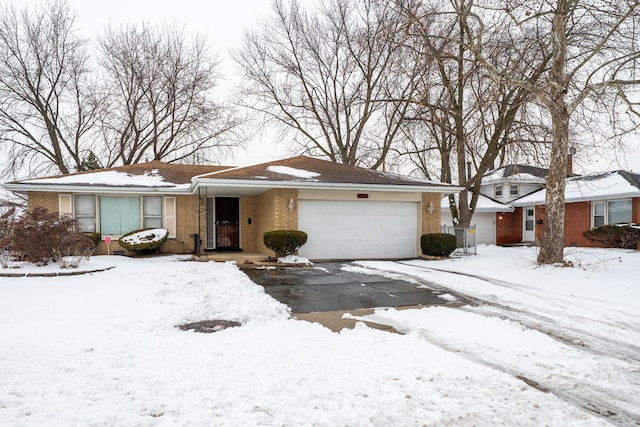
(284,242)
(40,236)
(438,244)
(624,236)
(95,237)
(147,240)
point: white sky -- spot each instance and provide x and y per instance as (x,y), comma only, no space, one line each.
(223,22)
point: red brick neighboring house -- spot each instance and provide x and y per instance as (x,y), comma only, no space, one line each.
(591,201)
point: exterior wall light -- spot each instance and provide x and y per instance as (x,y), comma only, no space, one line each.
(291,205)
(430,208)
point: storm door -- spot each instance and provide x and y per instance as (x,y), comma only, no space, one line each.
(227,223)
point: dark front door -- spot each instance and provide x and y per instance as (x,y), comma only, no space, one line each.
(227,223)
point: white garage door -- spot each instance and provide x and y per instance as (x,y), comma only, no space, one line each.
(358,229)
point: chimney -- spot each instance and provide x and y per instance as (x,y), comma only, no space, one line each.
(572,151)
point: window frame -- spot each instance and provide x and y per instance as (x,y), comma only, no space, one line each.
(78,216)
(145,215)
(497,192)
(511,189)
(605,215)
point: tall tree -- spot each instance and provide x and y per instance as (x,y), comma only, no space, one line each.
(159,97)
(594,58)
(46,107)
(339,76)
(460,117)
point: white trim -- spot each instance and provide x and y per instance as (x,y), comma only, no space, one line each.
(265,184)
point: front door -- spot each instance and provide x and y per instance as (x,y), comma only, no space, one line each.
(227,223)
(529,227)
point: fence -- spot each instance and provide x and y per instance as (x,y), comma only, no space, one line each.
(465,238)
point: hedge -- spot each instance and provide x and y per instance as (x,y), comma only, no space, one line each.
(438,244)
(284,242)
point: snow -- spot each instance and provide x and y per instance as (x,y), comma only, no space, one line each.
(146,236)
(112,179)
(484,204)
(294,259)
(590,187)
(497,176)
(103,349)
(298,173)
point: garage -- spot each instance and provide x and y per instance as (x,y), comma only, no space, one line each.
(358,229)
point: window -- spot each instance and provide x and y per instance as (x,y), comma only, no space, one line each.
(498,191)
(85,212)
(598,214)
(513,190)
(119,215)
(611,212)
(152,211)
(529,219)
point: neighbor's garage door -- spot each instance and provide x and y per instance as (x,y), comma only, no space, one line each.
(358,229)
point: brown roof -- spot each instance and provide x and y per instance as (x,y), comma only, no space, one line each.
(171,172)
(327,172)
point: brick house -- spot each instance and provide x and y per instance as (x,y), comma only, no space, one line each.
(347,212)
(591,201)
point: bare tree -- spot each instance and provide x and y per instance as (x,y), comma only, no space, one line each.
(339,76)
(46,108)
(462,118)
(160,103)
(594,53)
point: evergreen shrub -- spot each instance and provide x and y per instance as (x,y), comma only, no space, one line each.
(438,244)
(624,236)
(284,242)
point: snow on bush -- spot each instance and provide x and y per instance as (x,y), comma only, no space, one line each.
(147,240)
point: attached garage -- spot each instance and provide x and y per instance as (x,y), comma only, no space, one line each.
(341,229)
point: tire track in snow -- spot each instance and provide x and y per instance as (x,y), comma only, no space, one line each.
(590,397)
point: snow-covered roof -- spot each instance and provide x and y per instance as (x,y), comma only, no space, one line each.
(515,174)
(600,186)
(484,204)
(296,172)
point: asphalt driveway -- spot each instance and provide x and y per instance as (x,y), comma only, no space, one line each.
(326,287)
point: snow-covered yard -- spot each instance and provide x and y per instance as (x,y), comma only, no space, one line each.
(103,349)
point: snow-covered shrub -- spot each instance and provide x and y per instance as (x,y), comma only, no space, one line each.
(624,236)
(438,244)
(284,242)
(147,240)
(40,236)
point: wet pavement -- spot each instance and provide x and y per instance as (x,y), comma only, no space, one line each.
(326,287)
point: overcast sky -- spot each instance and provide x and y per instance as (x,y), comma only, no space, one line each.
(223,22)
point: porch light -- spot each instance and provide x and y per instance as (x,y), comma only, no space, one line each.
(291,205)
(430,208)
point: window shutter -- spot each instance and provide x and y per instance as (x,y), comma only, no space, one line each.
(170,215)
(65,205)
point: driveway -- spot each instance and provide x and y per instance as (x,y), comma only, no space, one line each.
(326,287)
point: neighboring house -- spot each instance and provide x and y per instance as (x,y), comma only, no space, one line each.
(484,218)
(499,187)
(591,201)
(347,212)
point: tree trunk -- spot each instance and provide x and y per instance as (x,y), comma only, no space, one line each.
(552,250)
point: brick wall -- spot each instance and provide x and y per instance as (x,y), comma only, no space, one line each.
(272,213)
(248,232)
(431,222)
(45,200)
(505,228)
